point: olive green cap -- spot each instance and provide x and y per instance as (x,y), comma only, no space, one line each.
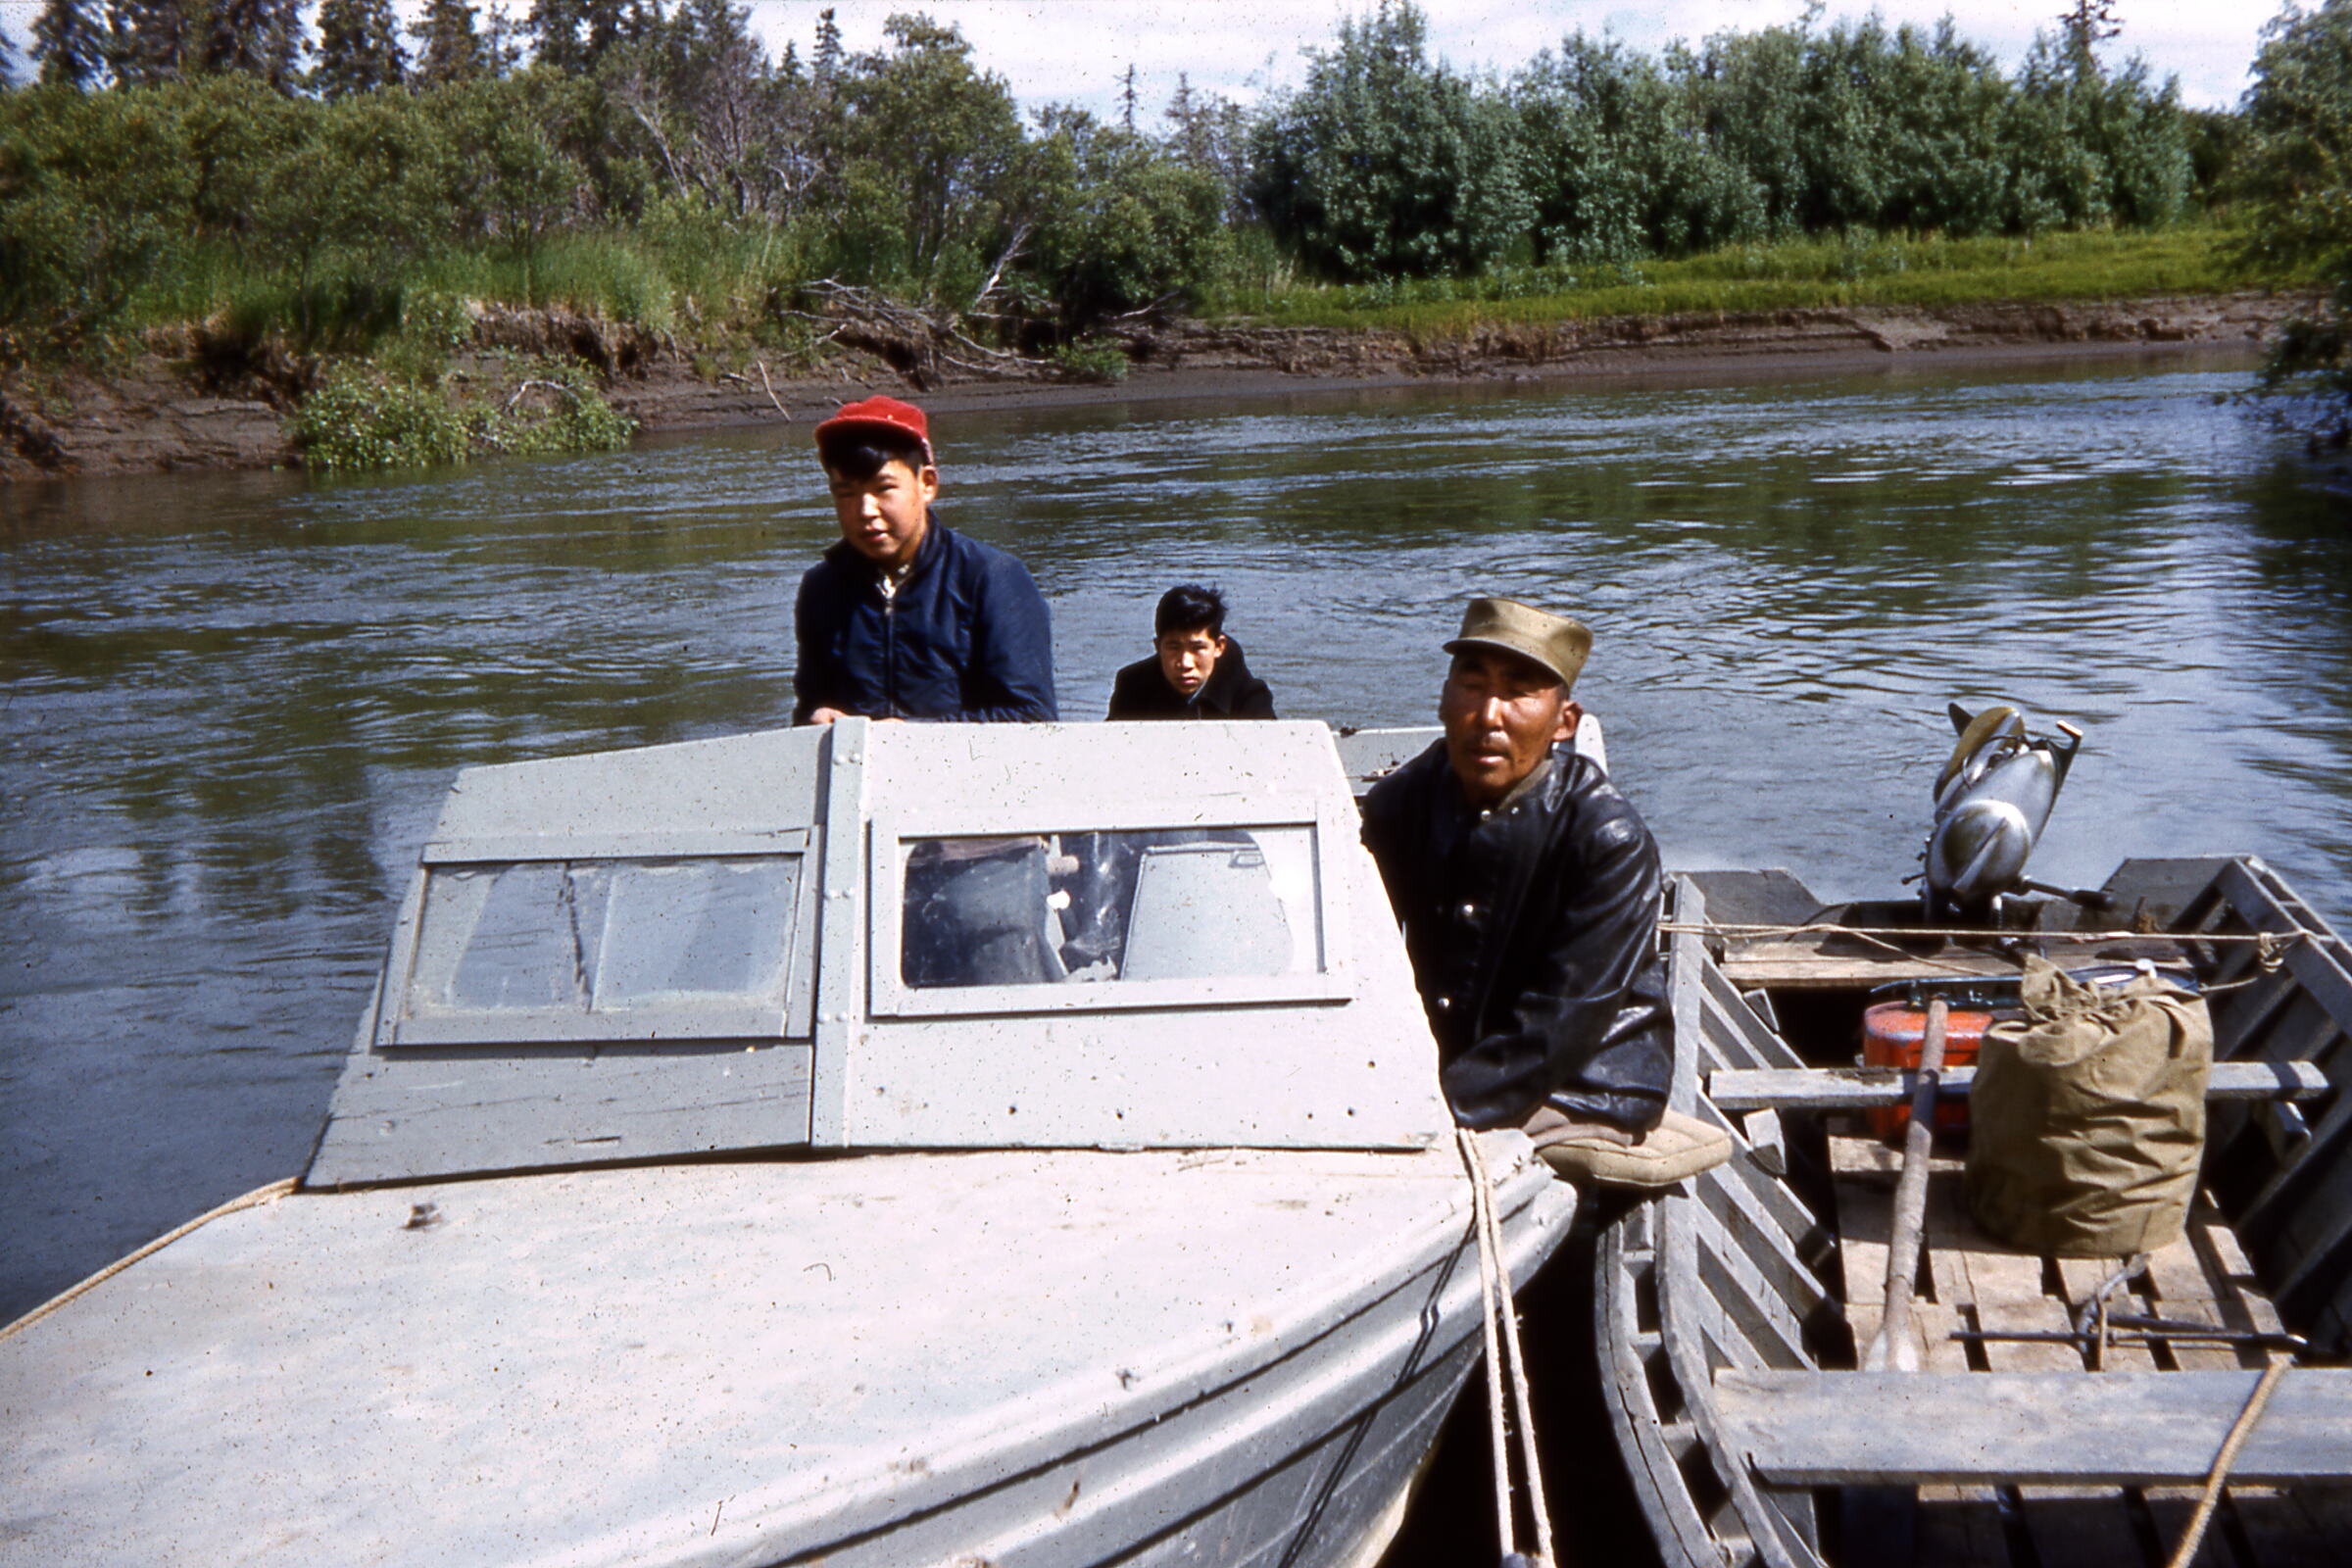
(1555,641)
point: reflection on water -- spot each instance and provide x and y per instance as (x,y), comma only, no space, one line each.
(231,703)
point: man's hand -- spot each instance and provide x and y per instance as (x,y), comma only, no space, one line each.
(825,716)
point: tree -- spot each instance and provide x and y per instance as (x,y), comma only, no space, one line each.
(928,147)
(150,41)
(1386,163)
(1118,223)
(261,38)
(1613,162)
(93,204)
(359,48)
(70,42)
(2295,178)
(825,63)
(448,48)
(1209,132)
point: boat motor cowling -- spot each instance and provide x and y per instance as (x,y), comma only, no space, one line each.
(1992,799)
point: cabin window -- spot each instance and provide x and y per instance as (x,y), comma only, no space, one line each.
(1080,908)
(604,937)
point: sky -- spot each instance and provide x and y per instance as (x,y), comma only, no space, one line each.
(1076,51)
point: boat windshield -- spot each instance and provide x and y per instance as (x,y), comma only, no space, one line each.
(604,936)
(1086,907)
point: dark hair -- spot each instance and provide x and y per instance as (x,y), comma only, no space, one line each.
(860,452)
(1189,606)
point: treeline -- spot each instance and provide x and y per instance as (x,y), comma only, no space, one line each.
(320,171)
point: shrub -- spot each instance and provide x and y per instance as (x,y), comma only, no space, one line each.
(360,419)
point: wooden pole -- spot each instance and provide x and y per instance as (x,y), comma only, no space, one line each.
(1895,1348)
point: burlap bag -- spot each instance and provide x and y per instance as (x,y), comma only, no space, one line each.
(2086,1119)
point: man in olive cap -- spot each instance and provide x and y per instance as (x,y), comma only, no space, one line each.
(1530,894)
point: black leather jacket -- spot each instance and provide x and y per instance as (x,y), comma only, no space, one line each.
(1141,690)
(1533,931)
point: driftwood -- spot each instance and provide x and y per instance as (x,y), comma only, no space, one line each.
(915,343)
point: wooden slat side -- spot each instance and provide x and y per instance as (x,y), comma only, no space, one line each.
(1764,1046)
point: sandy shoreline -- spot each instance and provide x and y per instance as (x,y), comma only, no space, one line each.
(160,415)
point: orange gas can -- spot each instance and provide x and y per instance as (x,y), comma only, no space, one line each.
(1892,1033)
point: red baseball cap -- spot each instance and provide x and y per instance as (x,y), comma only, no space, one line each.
(884,414)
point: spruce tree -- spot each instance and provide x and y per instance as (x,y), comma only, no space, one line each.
(149,40)
(359,48)
(259,38)
(448,48)
(556,29)
(825,63)
(70,42)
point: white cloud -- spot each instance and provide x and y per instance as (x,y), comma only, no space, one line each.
(1079,50)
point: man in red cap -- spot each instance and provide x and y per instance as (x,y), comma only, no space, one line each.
(905,618)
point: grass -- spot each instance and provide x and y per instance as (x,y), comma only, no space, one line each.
(1795,274)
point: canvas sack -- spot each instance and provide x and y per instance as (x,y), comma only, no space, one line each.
(2087,1117)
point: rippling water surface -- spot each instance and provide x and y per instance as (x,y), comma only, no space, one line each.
(229,704)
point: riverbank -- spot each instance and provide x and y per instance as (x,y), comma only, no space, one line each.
(177,405)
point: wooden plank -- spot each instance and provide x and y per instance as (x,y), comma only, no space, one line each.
(1746,1089)
(1796,966)
(1865,1216)
(2065,1524)
(2121,1429)
(1952,1525)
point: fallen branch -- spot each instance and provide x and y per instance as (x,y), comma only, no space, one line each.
(521,387)
(771,391)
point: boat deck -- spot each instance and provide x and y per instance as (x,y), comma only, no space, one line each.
(1971,1285)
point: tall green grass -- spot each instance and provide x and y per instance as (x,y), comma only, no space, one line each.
(1795,274)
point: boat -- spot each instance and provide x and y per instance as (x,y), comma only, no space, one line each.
(878,1143)
(1734,1316)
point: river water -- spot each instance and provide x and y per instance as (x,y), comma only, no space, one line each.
(229,704)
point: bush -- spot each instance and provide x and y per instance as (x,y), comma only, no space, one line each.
(1388,165)
(1099,359)
(360,418)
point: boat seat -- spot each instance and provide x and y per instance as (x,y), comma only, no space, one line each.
(1204,909)
(1862,1087)
(1811,1428)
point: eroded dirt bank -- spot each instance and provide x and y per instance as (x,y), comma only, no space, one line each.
(185,405)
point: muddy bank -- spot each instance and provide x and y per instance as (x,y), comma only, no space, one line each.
(184,405)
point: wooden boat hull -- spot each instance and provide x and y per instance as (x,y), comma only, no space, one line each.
(1727,1313)
(1208,1357)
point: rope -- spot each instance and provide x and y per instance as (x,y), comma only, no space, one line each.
(2273,943)
(2243,1429)
(1495,1291)
(1488,1289)
(260,1195)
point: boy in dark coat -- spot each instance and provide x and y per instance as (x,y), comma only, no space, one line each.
(1196,670)
(904,618)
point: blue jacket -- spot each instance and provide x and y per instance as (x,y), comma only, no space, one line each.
(966,636)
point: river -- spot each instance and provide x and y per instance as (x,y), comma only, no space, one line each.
(229,704)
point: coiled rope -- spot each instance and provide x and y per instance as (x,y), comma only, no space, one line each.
(260,1195)
(1495,1293)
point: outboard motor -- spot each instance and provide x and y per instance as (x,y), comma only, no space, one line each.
(1992,801)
